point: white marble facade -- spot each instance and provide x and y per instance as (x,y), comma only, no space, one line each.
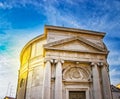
(73,65)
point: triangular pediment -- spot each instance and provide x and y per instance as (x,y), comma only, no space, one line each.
(75,44)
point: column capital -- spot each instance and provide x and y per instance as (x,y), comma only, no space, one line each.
(99,64)
(93,64)
(48,59)
(59,60)
(102,64)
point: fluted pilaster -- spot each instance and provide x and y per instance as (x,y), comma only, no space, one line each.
(105,82)
(97,93)
(58,80)
(47,79)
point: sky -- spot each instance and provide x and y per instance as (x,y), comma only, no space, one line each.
(22,20)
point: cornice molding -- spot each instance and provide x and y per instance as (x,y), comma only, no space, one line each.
(67,29)
(52,44)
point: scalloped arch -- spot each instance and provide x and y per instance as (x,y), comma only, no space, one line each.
(77,73)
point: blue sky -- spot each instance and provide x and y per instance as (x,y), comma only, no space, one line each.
(22,20)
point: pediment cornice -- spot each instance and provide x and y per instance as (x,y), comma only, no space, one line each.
(53,45)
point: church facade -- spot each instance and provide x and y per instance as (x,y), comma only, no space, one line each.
(64,63)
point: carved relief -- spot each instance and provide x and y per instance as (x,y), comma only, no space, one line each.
(76,73)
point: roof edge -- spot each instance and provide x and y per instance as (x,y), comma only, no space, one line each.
(30,42)
(48,27)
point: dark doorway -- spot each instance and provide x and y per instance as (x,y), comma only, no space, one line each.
(77,95)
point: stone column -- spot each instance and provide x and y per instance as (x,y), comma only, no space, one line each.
(47,80)
(58,80)
(97,93)
(105,82)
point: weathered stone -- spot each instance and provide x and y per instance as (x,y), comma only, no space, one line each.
(64,63)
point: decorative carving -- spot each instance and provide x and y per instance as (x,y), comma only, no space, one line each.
(75,73)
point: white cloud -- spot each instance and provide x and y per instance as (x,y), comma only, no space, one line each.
(55,16)
(5,5)
(114,72)
(114,58)
(114,76)
(8,68)
(9,59)
(1,5)
(9,4)
(115,81)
